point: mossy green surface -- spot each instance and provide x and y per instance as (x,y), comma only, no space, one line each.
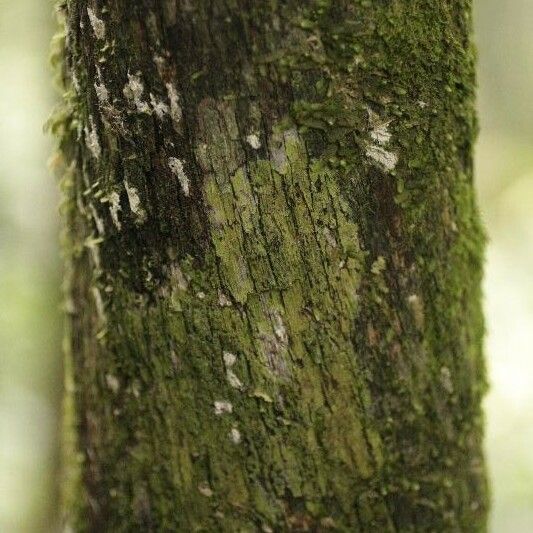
(281,332)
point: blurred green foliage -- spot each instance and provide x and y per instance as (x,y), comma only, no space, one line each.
(30,381)
(505,185)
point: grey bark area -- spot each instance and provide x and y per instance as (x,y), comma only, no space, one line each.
(273,266)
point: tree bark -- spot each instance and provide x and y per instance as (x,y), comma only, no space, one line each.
(273,266)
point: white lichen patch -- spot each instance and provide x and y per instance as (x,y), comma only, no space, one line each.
(235,436)
(205,490)
(176,166)
(102,94)
(381,134)
(135,203)
(91,139)
(160,108)
(223,300)
(135,390)
(223,407)
(92,245)
(254,141)
(97,24)
(99,303)
(98,220)
(175,108)
(75,83)
(229,359)
(114,208)
(279,328)
(380,129)
(133,91)
(381,137)
(275,345)
(112,383)
(233,380)
(388,160)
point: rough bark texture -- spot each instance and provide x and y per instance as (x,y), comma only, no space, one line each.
(274,265)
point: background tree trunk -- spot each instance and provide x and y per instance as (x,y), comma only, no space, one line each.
(274,263)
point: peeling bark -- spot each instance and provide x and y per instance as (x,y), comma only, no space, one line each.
(274,262)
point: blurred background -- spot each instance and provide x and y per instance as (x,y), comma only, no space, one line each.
(30,322)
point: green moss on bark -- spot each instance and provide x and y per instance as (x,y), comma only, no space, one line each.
(275,262)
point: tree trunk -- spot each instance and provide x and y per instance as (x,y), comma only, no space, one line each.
(274,264)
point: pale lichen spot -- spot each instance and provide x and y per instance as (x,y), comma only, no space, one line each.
(91,139)
(380,129)
(205,490)
(112,383)
(422,104)
(102,94)
(133,91)
(223,300)
(279,327)
(381,134)
(223,407)
(388,160)
(160,108)
(135,390)
(114,208)
(98,220)
(175,108)
(229,359)
(176,166)
(92,244)
(235,436)
(97,24)
(75,83)
(233,380)
(254,141)
(328,523)
(135,203)
(275,345)
(200,295)
(99,303)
